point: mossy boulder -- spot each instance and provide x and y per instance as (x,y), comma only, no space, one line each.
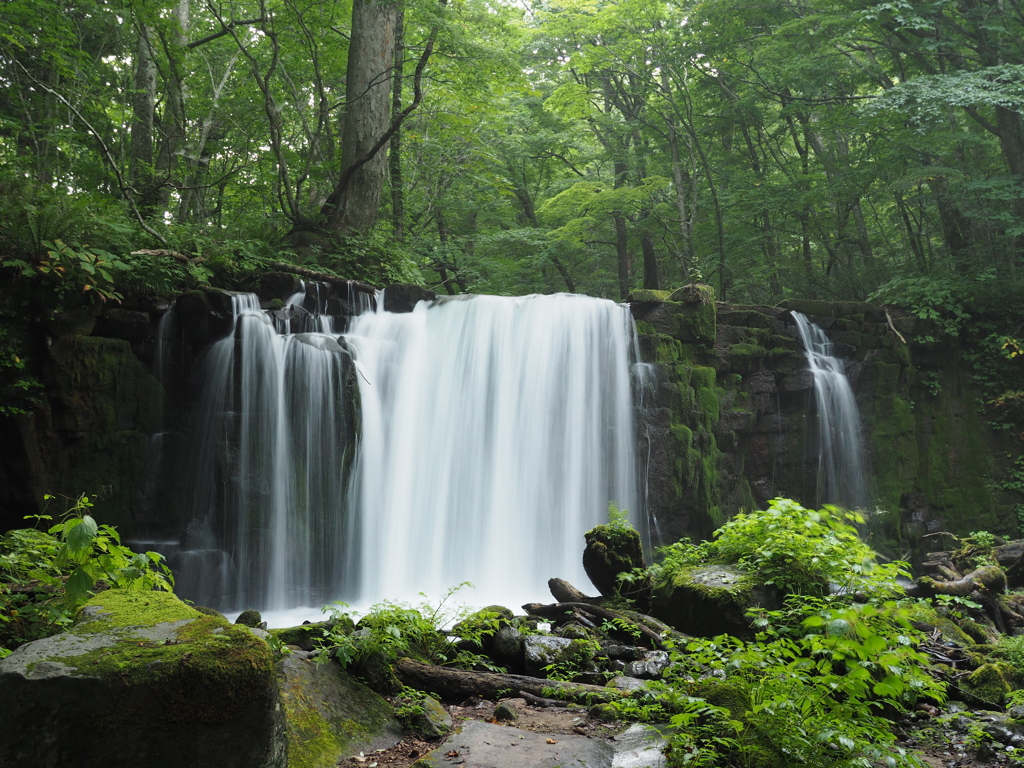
(990,684)
(142,679)
(612,550)
(712,600)
(330,715)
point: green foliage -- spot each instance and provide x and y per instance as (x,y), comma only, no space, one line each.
(573,659)
(91,553)
(73,268)
(19,387)
(818,679)
(939,299)
(802,551)
(390,631)
(375,258)
(46,577)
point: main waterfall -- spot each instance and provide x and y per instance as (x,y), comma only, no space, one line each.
(493,432)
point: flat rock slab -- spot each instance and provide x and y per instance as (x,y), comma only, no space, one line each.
(485,745)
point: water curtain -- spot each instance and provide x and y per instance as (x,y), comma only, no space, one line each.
(841,477)
(493,433)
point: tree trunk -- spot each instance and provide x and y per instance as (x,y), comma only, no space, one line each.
(353,204)
(395,149)
(140,162)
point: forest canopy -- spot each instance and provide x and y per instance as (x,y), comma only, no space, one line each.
(834,149)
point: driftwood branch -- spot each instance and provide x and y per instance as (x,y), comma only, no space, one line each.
(989,578)
(893,327)
(558,611)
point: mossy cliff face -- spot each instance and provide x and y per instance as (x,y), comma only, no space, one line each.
(142,680)
(92,433)
(727,416)
(679,409)
(116,402)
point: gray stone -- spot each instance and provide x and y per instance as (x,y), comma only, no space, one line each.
(712,600)
(403,297)
(433,722)
(188,690)
(506,647)
(505,712)
(330,714)
(540,651)
(497,746)
(651,667)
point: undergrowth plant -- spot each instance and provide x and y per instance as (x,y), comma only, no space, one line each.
(798,550)
(391,630)
(45,577)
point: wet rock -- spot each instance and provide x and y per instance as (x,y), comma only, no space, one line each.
(330,714)
(123,324)
(432,722)
(651,667)
(506,647)
(612,550)
(505,712)
(142,680)
(712,600)
(249,618)
(403,297)
(540,651)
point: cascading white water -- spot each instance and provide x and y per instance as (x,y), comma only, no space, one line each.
(495,432)
(266,484)
(841,471)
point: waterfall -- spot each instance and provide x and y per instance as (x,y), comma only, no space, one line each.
(841,477)
(493,433)
(266,480)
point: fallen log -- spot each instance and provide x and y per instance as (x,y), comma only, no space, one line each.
(989,578)
(460,684)
(564,592)
(356,285)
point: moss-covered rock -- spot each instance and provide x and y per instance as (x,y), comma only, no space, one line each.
(142,679)
(613,550)
(990,684)
(712,600)
(330,715)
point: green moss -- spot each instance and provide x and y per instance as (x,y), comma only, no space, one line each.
(311,741)
(731,696)
(990,683)
(709,600)
(328,714)
(924,615)
(206,672)
(647,296)
(127,608)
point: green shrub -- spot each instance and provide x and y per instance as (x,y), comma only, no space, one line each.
(46,577)
(802,551)
(391,631)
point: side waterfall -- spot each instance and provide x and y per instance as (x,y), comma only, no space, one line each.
(266,484)
(493,432)
(841,471)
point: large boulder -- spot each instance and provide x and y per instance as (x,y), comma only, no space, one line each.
(330,715)
(712,600)
(612,550)
(142,679)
